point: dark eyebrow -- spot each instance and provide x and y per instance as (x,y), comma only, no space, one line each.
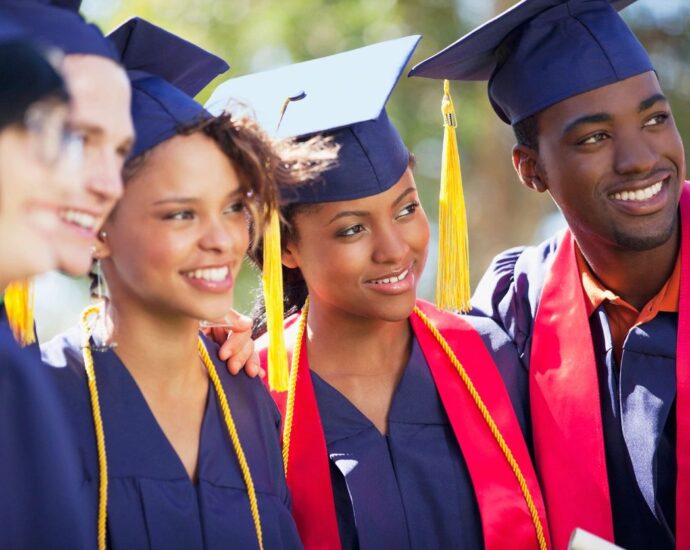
(403,195)
(345,213)
(175,200)
(192,200)
(650,101)
(587,119)
(363,213)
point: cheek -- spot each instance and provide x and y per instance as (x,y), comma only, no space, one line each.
(330,266)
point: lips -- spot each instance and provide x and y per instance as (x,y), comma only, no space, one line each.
(398,281)
(643,198)
(80,219)
(391,278)
(638,194)
(216,278)
(211,274)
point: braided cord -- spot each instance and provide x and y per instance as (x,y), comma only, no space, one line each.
(515,467)
(292,385)
(235,439)
(98,424)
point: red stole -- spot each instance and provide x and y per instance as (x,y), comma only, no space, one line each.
(566,408)
(506,521)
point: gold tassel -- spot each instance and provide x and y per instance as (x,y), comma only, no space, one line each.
(453,280)
(19,304)
(272,278)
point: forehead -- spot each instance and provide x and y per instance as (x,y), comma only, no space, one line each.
(101,93)
(383,200)
(192,166)
(614,99)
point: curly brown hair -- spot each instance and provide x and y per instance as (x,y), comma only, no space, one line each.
(263,164)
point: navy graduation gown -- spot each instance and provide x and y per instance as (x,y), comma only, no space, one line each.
(411,487)
(40,498)
(637,396)
(152,503)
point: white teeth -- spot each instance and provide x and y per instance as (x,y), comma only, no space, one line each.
(640,194)
(389,280)
(77,217)
(213,274)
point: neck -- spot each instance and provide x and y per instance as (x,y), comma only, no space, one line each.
(635,276)
(340,344)
(157,348)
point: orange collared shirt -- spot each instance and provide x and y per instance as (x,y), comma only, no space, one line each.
(621,315)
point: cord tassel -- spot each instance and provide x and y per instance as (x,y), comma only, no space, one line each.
(272,278)
(19,304)
(453,280)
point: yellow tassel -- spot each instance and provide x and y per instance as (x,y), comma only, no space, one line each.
(19,304)
(453,280)
(272,278)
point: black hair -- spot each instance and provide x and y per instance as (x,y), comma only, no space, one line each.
(527,132)
(26,77)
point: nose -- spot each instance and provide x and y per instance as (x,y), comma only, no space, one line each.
(218,236)
(390,246)
(635,153)
(104,175)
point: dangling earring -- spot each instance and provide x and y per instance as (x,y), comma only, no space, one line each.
(102,326)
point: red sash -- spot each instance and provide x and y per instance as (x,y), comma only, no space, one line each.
(506,521)
(566,408)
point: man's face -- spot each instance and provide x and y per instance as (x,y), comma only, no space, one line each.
(613,162)
(101,97)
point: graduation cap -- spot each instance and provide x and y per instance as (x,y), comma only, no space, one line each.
(166,72)
(541,52)
(343,96)
(58,23)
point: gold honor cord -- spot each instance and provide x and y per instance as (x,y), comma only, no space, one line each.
(235,439)
(292,385)
(486,415)
(100,436)
(98,423)
(495,431)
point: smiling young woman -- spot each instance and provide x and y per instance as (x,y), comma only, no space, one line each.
(398,430)
(179,453)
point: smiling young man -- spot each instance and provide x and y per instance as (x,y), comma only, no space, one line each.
(596,312)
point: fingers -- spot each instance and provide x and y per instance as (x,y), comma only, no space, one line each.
(237,322)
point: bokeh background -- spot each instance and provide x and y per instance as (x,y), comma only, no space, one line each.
(254,35)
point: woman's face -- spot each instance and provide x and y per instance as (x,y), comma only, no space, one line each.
(37,173)
(176,240)
(363,257)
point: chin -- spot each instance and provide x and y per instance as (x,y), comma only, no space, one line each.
(396,310)
(75,265)
(645,239)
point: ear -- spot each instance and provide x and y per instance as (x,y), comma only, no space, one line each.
(526,164)
(288,256)
(101,249)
